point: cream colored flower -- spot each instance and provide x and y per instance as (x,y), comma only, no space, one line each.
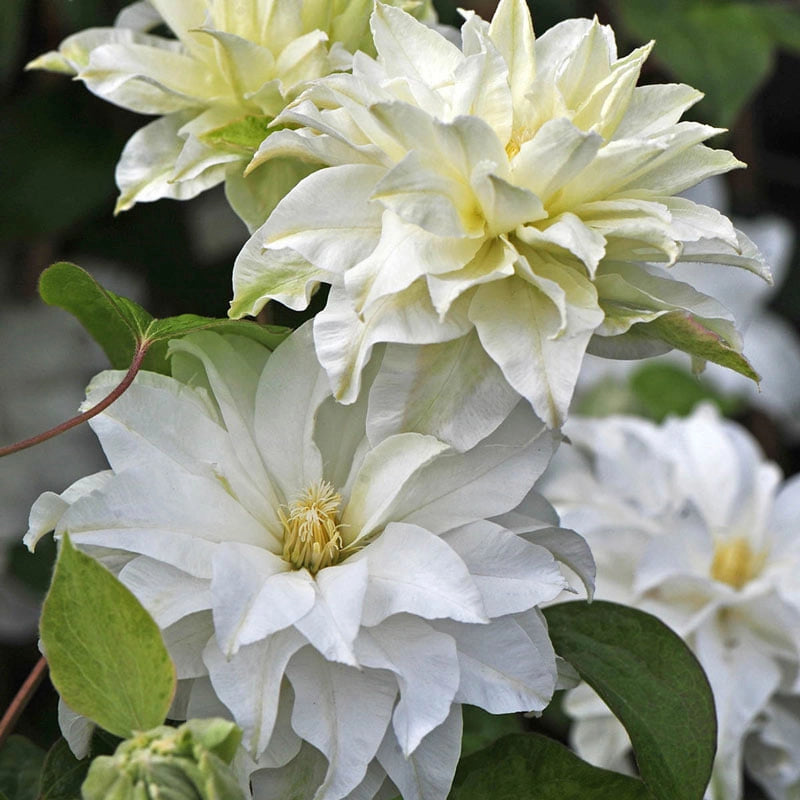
(232,67)
(520,188)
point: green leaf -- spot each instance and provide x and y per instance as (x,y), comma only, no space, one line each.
(115,323)
(686,332)
(63,774)
(243,135)
(662,390)
(20,767)
(106,655)
(722,48)
(534,767)
(119,325)
(652,682)
(482,728)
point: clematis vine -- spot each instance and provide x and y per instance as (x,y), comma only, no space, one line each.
(689,522)
(230,70)
(339,588)
(519,189)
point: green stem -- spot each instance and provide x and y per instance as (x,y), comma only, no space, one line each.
(135,366)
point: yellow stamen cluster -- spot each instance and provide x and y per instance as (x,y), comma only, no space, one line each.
(311,537)
(734,562)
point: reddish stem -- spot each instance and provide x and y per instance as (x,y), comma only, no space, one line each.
(135,366)
(25,693)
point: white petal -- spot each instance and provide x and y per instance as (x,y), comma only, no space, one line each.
(426,666)
(334,620)
(167,593)
(249,683)
(382,476)
(255,594)
(742,679)
(413,571)
(186,640)
(490,478)
(427,774)
(511,574)
(507,665)
(344,713)
(291,388)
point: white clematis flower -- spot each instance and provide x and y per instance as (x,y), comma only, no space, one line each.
(513,188)
(689,522)
(232,67)
(323,586)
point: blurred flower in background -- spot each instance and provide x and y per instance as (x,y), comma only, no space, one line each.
(689,522)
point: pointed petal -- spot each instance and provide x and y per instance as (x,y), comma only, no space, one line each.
(427,774)
(426,666)
(256,672)
(413,571)
(344,713)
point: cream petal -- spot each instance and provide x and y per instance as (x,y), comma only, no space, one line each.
(406,318)
(654,109)
(511,31)
(145,169)
(149,79)
(528,345)
(313,221)
(409,48)
(553,156)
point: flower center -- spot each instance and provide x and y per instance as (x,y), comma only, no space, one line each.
(311,537)
(518,137)
(734,562)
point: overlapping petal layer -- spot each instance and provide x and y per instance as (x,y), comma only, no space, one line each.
(346,672)
(230,70)
(516,187)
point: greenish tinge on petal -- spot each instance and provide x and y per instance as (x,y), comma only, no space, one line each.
(233,66)
(186,763)
(704,342)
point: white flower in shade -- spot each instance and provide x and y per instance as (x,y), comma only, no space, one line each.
(232,67)
(325,584)
(514,188)
(689,522)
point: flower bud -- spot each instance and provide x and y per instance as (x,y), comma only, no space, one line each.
(185,763)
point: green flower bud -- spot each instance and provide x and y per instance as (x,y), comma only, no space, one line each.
(185,763)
